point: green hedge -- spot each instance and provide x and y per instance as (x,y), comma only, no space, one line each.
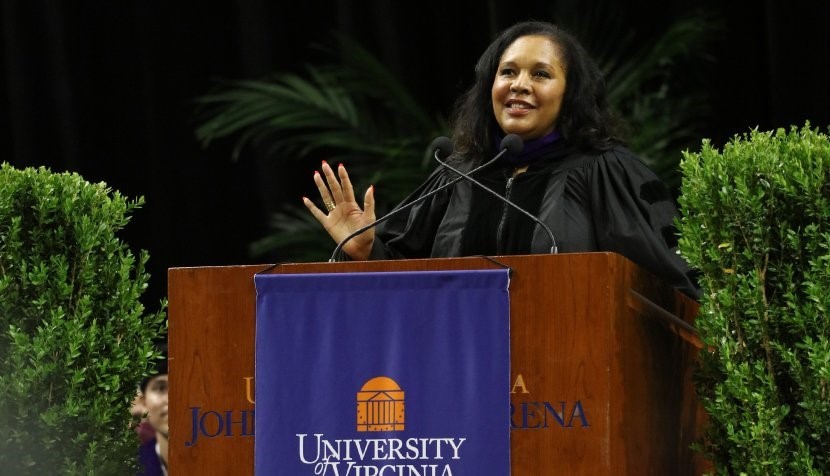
(756,224)
(74,338)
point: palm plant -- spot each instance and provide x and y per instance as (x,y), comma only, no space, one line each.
(648,85)
(356,111)
(664,118)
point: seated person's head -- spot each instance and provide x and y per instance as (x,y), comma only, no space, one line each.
(154,397)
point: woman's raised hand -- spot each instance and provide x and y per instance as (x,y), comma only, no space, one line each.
(344,215)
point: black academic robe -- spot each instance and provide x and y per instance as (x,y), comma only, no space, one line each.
(595,201)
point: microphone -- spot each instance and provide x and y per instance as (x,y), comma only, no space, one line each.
(516,145)
(510,145)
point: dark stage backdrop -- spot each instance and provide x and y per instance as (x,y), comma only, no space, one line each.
(106,89)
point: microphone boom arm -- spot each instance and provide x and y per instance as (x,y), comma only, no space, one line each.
(394,212)
(553,248)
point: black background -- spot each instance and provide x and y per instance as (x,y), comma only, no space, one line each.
(107,89)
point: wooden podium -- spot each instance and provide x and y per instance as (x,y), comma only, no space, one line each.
(602,356)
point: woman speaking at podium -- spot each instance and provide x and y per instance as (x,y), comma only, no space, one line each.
(573,187)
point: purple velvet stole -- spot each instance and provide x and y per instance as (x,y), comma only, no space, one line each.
(533,149)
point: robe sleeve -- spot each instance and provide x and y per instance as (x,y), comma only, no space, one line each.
(410,233)
(633,213)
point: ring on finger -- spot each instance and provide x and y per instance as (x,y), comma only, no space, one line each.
(329,205)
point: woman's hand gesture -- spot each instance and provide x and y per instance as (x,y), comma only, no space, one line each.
(344,215)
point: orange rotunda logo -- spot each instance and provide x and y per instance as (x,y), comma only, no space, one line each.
(380,406)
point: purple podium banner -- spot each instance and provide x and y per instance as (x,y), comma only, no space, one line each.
(383,374)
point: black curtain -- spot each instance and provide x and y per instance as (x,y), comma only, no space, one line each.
(107,89)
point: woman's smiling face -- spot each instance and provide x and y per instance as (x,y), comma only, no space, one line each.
(529,87)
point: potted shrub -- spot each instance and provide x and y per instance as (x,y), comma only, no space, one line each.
(75,340)
(756,224)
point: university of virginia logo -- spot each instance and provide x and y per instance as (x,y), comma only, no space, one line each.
(380,406)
